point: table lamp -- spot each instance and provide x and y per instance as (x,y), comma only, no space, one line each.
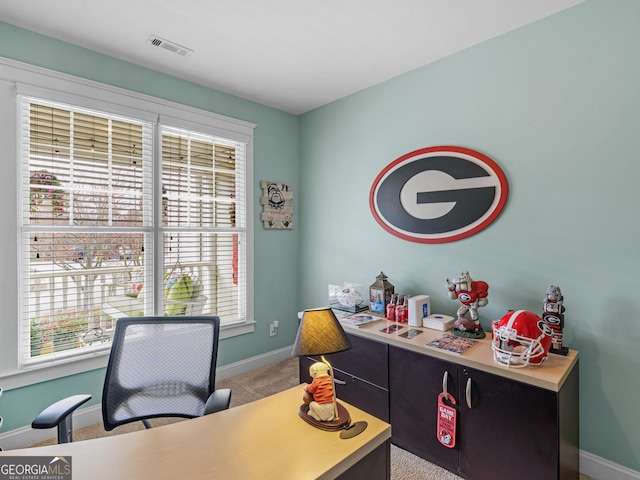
(320,333)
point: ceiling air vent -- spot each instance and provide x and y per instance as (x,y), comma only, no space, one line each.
(167,45)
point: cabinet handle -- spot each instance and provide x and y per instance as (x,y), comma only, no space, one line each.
(339,382)
(468,392)
(445,381)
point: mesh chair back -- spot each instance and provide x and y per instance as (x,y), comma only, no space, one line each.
(160,367)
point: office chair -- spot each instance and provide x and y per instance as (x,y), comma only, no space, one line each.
(158,367)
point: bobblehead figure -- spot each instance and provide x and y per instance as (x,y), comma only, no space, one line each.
(319,394)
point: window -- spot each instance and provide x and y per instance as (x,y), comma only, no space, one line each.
(202,220)
(124,216)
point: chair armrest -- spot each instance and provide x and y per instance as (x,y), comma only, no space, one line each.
(57,412)
(218,400)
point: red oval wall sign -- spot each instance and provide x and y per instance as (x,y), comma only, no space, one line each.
(438,194)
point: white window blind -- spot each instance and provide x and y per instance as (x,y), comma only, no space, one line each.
(203,222)
(92,219)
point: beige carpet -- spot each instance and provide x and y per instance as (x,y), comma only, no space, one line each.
(272,379)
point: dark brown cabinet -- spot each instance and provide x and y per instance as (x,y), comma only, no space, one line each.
(506,428)
(533,431)
(415,382)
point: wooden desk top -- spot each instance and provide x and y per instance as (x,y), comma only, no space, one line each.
(264,439)
(549,375)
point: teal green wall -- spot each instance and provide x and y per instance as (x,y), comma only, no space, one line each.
(557,105)
(276,155)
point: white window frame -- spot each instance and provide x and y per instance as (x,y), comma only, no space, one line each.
(19,78)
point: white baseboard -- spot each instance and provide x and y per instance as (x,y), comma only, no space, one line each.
(244,366)
(25,436)
(599,468)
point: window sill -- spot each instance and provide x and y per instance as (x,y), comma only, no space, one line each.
(233,330)
(94,361)
(44,372)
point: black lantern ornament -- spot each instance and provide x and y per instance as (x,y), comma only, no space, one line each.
(380,293)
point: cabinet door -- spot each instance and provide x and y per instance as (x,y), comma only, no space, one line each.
(367,360)
(415,381)
(364,395)
(507,429)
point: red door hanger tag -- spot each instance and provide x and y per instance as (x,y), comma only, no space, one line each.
(446,421)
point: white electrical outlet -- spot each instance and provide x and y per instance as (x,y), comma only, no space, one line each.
(273,328)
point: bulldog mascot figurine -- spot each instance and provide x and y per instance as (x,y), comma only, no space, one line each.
(472,295)
(319,394)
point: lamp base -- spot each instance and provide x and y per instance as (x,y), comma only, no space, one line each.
(342,424)
(338,424)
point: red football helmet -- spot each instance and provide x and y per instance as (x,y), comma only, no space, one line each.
(520,338)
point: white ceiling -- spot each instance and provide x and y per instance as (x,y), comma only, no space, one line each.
(294,55)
